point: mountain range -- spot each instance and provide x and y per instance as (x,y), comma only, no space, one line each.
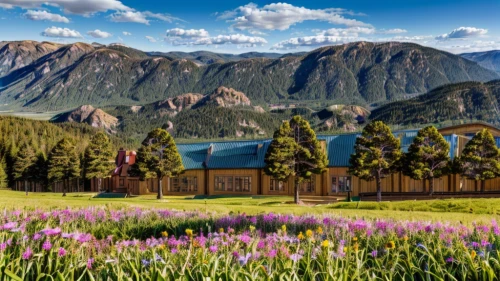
(489,59)
(45,76)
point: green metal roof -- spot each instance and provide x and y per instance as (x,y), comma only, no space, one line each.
(224,155)
(250,154)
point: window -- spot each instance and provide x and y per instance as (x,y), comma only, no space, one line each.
(308,185)
(341,184)
(233,183)
(184,184)
(276,185)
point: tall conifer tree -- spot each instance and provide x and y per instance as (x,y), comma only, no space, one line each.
(158,158)
(63,163)
(428,157)
(480,158)
(376,154)
(295,151)
(97,158)
(23,168)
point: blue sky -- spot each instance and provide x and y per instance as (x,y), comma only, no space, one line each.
(242,26)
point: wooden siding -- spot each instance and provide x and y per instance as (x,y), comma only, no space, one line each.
(254,173)
(471,128)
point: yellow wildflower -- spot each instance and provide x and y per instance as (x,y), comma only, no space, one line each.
(405,238)
(221,230)
(390,245)
(346,249)
(300,236)
(189,233)
(355,247)
(283,228)
(319,230)
(325,244)
(161,246)
(473,254)
(252,228)
(164,234)
(309,233)
(355,239)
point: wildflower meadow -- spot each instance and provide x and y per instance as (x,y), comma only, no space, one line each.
(101,243)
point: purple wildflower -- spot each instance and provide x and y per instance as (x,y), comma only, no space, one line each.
(61,252)
(90,262)
(213,249)
(295,257)
(374,253)
(47,245)
(27,254)
(449,260)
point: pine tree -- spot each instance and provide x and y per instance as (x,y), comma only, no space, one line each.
(4,183)
(158,157)
(376,154)
(428,157)
(295,151)
(480,158)
(97,158)
(63,163)
(23,168)
(40,170)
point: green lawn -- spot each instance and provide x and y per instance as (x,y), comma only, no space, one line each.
(453,210)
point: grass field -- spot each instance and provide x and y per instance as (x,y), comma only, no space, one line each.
(466,211)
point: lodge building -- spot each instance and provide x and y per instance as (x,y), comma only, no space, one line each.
(237,168)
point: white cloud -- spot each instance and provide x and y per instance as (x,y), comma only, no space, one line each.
(44,15)
(463,32)
(80,7)
(187,33)
(129,16)
(393,31)
(127,33)
(347,32)
(61,32)
(151,39)
(474,46)
(280,16)
(314,41)
(240,40)
(99,34)
(140,17)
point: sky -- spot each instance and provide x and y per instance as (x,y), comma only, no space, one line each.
(240,26)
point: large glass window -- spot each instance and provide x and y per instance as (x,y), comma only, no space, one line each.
(184,184)
(277,185)
(341,184)
(233,183)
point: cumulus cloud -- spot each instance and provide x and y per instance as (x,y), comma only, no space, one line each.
(187,33)
(126,33)
(280,16)
(463,32)
(44,15)
(80,7)
(151,39)
(313,41)
(99,34)
(61,32)
(140,17)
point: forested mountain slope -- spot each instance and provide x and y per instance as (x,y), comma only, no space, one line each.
(356,73)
